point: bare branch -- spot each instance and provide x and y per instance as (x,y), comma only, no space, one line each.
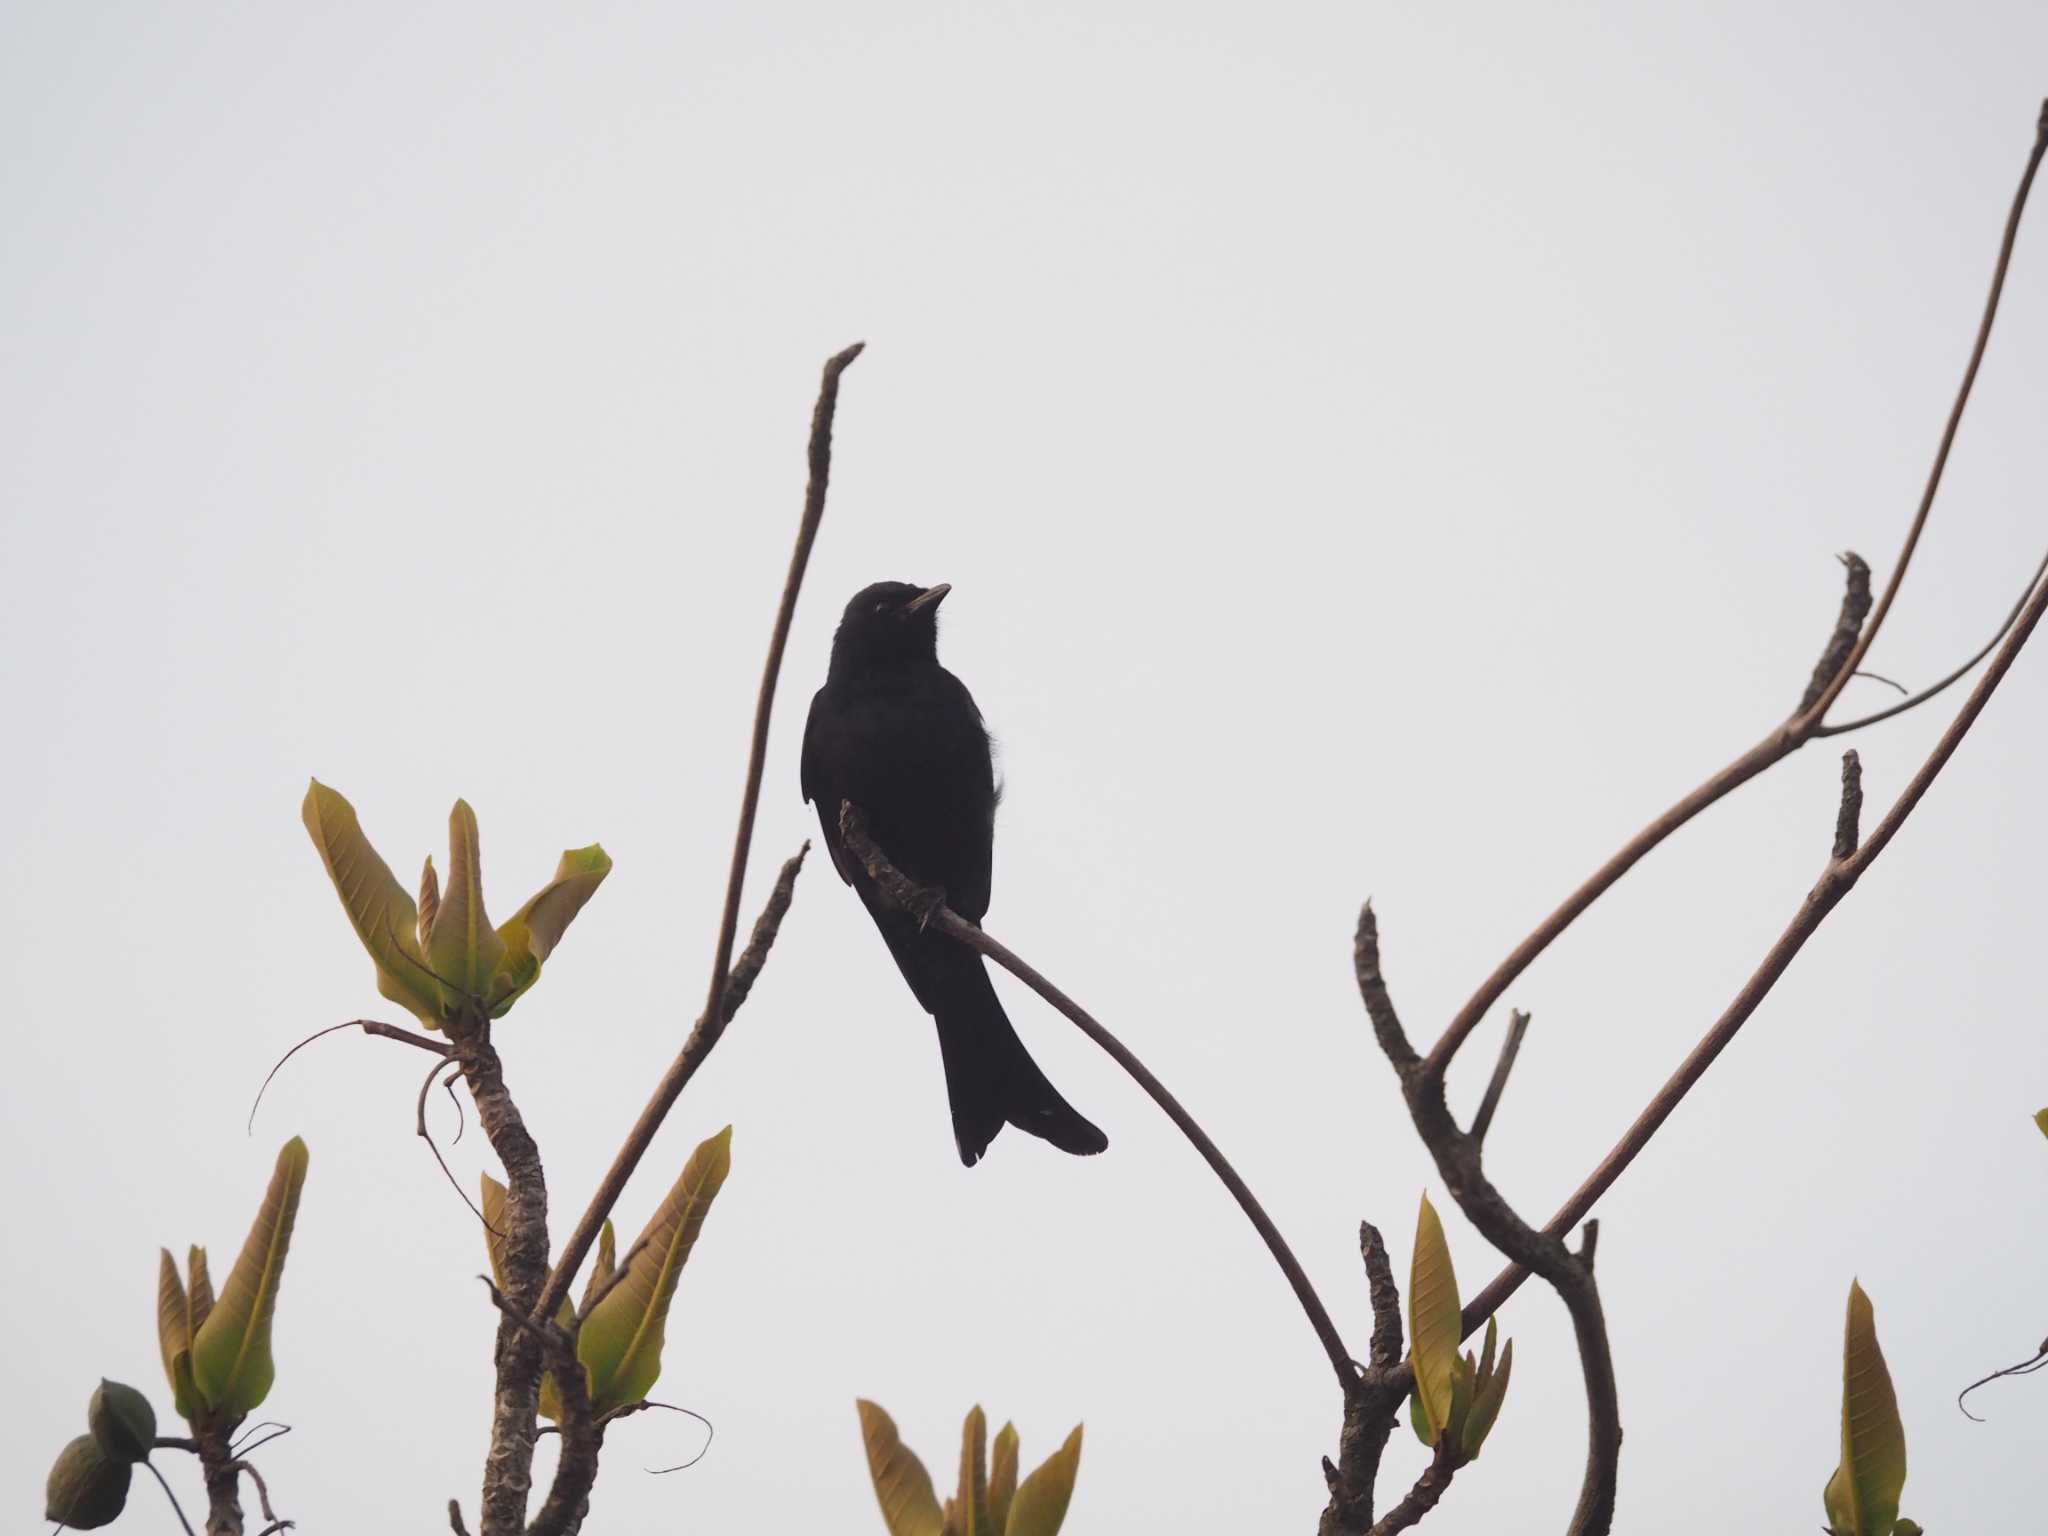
(897,887)
(455,1518)
(1820,706)
(1835,882)
(1914,701)
(695,1049)
(1848,818)
(1370,1412)
(719,1007)
(1518,1026)
(1423,1497)
(1848,629)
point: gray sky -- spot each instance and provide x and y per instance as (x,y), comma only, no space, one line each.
(1378,450)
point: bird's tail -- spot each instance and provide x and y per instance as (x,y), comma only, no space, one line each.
(990,1077)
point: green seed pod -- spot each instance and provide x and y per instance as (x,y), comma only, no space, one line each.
(122,1421)
(87,1488)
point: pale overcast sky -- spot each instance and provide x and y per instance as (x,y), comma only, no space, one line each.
(1377,449)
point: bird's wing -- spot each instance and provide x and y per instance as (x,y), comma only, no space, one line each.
(817,790)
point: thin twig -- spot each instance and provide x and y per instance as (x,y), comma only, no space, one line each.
(1916,700)
(2006,242)
(420,1129)
(239,1446)
(262,1491)
(278,1432)
(1423,1497)
(1803,726)
(367,1026)
(164,1483)
(1849,814)
(718,1009)
(1835,882)
(1518,1026)
(2024,1368)
(906,893)
(1892,683)
(455,1518)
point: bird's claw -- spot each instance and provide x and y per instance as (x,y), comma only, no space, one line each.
(929,901)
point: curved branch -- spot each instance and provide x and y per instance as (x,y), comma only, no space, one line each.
(1805,723)
(719,1007)
(1914,701)
(1836,881)
(930,905)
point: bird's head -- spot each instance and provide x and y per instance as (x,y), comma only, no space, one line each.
(890,624)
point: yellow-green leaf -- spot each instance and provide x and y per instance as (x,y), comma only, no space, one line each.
(970,1504)
(464,949)
(198,1287)
(1862,1498)
(173,1322)
(1487,1396)
(620,1344)
(1434,1325)
(606,1263)
(383,916)
(231,1360)
(2041,1119)
(902,1486)
(430,901)
(1002,1477)
(531,934)
(1041,1501)
(184,1391)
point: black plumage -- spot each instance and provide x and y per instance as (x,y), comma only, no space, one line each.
(900,736)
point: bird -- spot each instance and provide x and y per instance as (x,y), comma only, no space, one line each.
(900,737)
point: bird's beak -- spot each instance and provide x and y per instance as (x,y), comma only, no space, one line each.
(930,597)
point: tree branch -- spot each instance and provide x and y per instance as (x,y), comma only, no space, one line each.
(1423,1497)
(1835,882)
(1371,1411)
(930,905)
(1510,1047)
(1804,724)
(719,1007)
(1457,1158)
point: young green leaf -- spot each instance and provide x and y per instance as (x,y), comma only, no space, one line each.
(1434,1325)
(1487,1397)
(531,934)
(620,1343)
(383,916)
(2041,1119)
(1002,1477)
(464,949)
(970,1505)
(87,1488)
(1862,1498)
(173,1321)
(231,1361)
(604,1265)
(902,1486)
(1041,1501)
(198,1286)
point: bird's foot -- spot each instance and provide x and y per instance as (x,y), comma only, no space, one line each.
(926,904)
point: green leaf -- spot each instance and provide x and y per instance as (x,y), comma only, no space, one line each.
(1434,1324)
(2041,1119)
(185,1391)
(87,1487)
(464,949)
(1907,1528)
(1419,1421)
(531,934)
(173,1320)
(430,901)
(620,1344)
(231,1359)
(970,1504)
(121,1419)
(1862,1498)
(1002,1477)
(1487,1397)
(383,916)
(902,1486)
(1461,1400)
(198,1287)
(1041,1502)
